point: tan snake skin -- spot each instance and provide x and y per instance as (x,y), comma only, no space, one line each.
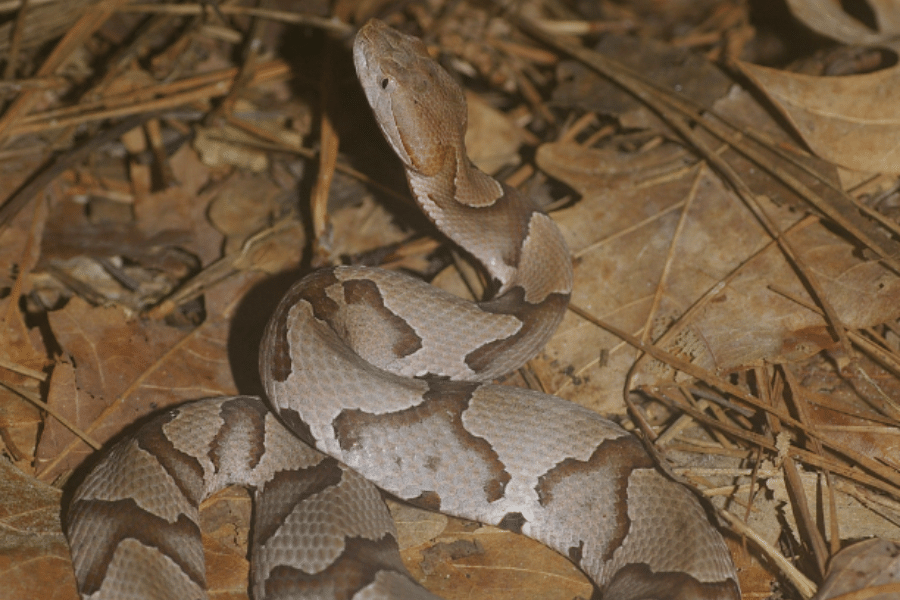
(383,373)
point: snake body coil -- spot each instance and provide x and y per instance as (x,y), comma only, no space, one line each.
(384,375)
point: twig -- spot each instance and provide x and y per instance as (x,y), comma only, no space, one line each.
(868,463)
(87,439)
(15,43)
(64,51)
(22,370)
(803,584)
(264,13)
(60,163)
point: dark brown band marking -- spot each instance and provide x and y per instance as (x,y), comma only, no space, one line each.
(512,522)
(366,293)
(314,289)
(353,570)
(275,351)
(275,355)
(444,403)
(110,523)
(624,454)
(504,223)
(536,318)
(636,582)
(280,495)
(248,418)
(427,500)
(514,211)
(615,459)
(576,553)
(291,419)
(185,470)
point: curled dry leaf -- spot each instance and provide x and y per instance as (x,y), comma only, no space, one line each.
(829,18)
(853,121)
(864,565)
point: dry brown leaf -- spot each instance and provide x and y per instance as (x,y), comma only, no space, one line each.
(491,139)
(21,347)
(18,350)
(20,245)
(416,526)
(459,559)
(856,520)
(853,121)
(679,69)
(243,208)
(127,368)
(829,18)
(781,332)
(21,423)
(34,555)
(224,521)
(621,234)
(363,227)
(867,564)
(468,561)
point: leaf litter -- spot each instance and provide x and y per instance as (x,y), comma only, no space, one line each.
(736,259)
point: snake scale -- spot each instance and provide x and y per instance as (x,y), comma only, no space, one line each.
(385,376)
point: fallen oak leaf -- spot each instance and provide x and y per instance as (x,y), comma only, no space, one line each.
(852,120)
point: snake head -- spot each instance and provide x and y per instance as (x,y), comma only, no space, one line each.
(421,111)
(419,107)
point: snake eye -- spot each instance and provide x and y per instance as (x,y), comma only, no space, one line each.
(385,83)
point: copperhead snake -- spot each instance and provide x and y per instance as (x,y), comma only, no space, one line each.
(384,375)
